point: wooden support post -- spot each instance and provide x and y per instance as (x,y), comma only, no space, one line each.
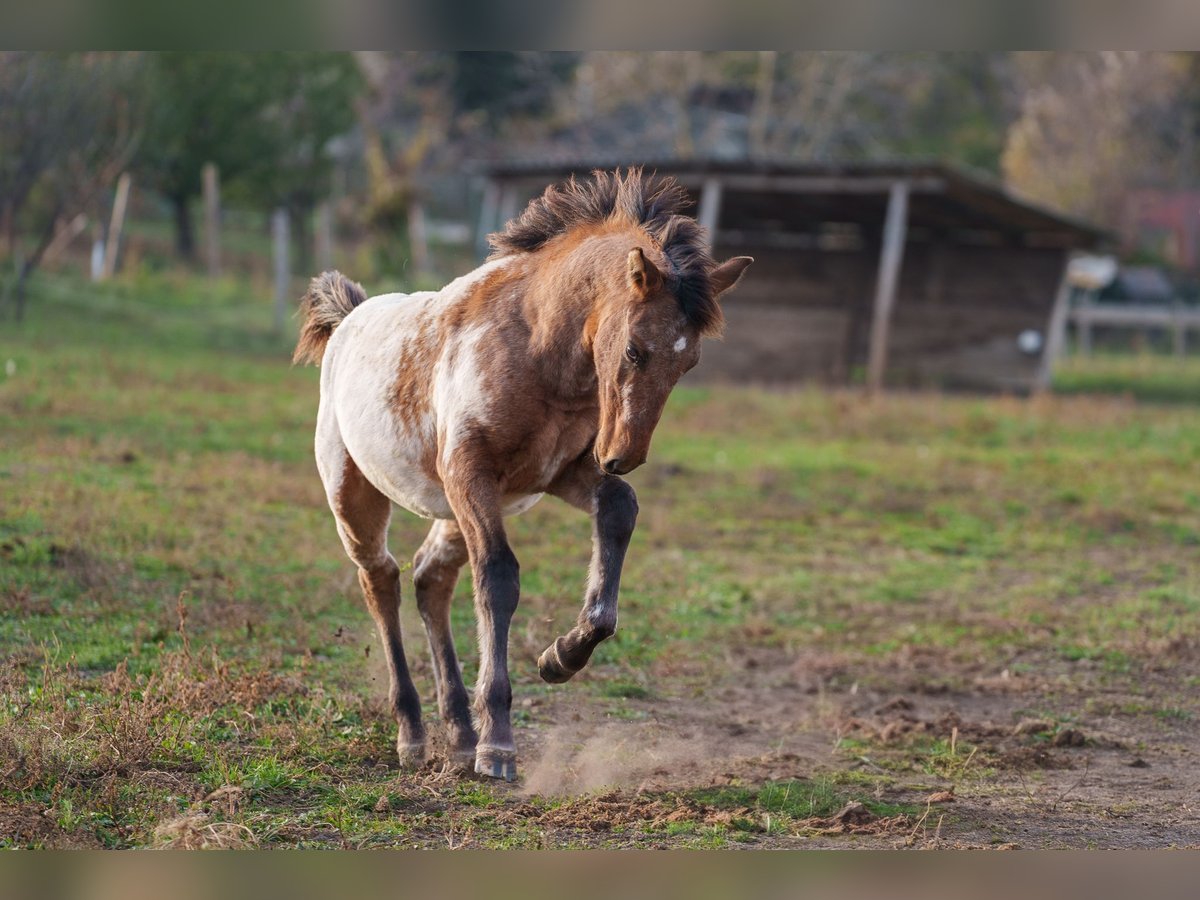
(710,208)
(488,208)
(283,270)
(212,219)
(895,229)
(115,226)
(418,244)
(1056,331)
(324,236)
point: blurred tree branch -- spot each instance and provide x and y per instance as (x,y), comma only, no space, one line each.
(69,125)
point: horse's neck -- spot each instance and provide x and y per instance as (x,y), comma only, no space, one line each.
(566,293)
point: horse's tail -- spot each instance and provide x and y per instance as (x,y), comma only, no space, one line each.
(330,298)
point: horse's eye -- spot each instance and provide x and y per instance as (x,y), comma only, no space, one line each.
(633,354)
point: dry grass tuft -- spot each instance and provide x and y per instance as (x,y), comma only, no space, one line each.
(196,831)
(71,729)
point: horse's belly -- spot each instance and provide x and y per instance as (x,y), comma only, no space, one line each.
(425,497)
(398,458)
(415,492)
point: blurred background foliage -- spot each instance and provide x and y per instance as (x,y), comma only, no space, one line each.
(375,134)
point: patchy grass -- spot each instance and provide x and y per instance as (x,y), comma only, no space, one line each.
(1147,376)
(186,661)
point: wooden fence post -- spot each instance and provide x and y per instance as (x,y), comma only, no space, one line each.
(418,244)
(115,225)
(488,208)
(895,230)
(283,270)
(212,219)
(98,252)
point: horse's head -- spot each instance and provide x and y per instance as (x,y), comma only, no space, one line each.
(642,346)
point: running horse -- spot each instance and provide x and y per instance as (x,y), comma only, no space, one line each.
(543,371)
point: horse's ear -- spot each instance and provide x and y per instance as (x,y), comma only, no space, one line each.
(644,276)
(727,274)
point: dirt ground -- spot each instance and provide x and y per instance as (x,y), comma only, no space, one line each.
(1108,780)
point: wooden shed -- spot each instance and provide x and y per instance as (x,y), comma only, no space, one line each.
(900,273)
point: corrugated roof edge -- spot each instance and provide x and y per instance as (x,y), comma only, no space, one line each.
(966,178)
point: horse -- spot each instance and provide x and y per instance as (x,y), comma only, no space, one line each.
(543,371)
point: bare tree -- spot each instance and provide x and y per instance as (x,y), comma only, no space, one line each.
(66,133)
(1087,128)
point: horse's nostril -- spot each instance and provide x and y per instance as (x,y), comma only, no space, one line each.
(612,466)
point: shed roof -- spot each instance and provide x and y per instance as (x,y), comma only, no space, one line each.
(943,195)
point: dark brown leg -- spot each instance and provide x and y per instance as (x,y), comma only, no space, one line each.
(614,509)
(362,514)
(435,572)
(475,499)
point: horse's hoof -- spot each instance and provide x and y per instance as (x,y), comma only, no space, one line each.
(493,763)
(551,668)
(412,756)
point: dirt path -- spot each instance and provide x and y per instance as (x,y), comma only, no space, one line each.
(1068,759)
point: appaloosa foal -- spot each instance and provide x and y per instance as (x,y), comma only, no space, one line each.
(545,370)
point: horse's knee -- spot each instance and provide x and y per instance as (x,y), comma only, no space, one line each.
(426,575)
(617,510)
(435,570)
(377,573)
(498,578)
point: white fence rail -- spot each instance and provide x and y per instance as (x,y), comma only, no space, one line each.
(1176,319)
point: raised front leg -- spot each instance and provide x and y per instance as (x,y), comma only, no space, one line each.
(435,572)
(614,509)
(475,499)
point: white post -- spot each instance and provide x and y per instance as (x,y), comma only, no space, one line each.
(895,229)
(115,225)
(212,219)
(281,246)
(709,213)
(418,244)
(98,254)
(1056,337)
(487,216)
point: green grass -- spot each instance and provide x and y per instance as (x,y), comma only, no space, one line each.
(1146,376)
(177,616)
(792,801)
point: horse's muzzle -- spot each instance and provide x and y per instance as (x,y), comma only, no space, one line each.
(620,466)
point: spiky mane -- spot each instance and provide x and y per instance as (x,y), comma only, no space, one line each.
(652,203)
